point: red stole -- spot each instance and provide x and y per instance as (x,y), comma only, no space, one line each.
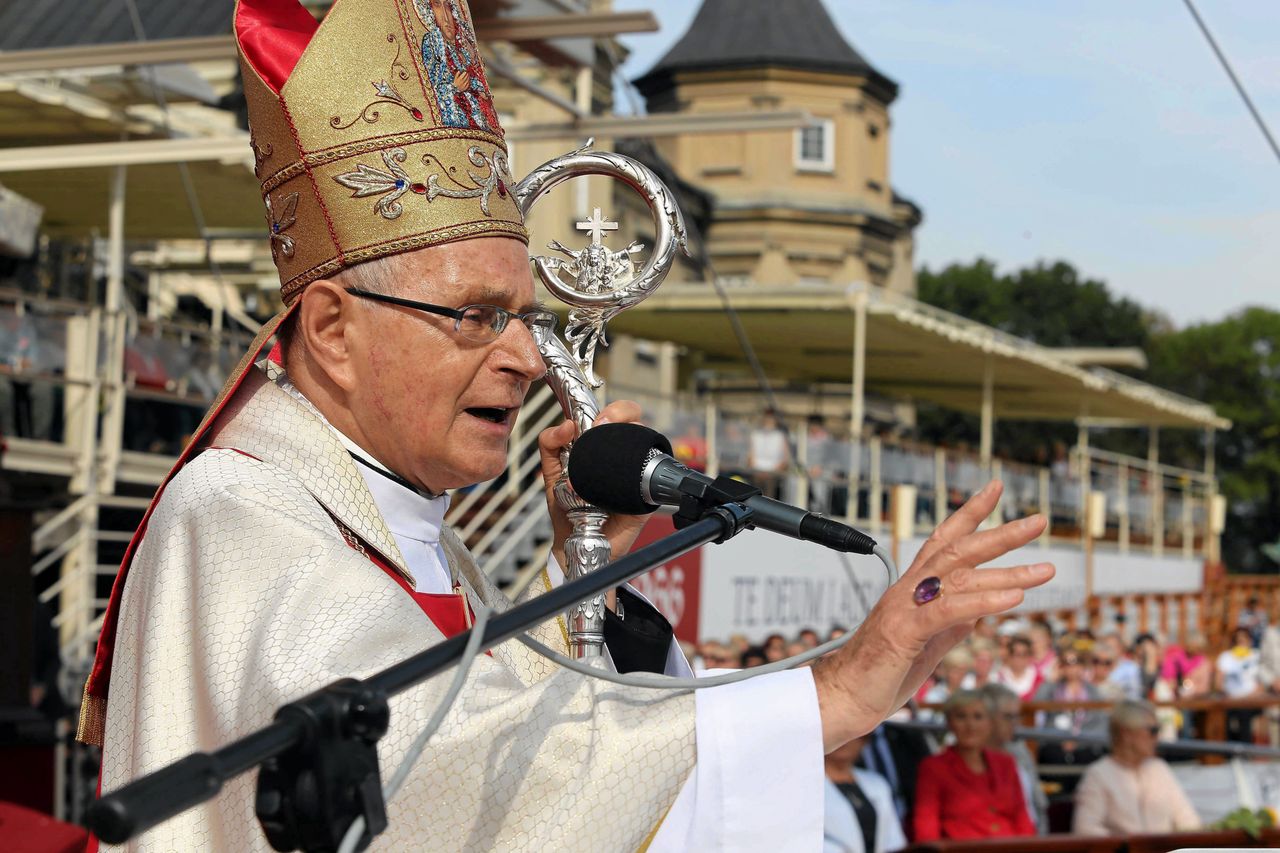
(448,611)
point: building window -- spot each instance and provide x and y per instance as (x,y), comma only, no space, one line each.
(815,146)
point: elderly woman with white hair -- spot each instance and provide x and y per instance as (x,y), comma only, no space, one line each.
(1005,708)
(969,790)
(1132,791)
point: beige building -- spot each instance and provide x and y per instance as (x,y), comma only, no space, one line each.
(799,206)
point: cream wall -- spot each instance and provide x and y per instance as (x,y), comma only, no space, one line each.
(776,221)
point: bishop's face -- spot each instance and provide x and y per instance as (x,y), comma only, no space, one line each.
(437,408)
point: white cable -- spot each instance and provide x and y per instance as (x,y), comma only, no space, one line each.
(658,681)
(469,654)
(650,680)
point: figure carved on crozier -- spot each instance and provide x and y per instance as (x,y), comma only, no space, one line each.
(596,284)
(593,271)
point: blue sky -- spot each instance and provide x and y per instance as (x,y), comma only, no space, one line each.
(1104,133)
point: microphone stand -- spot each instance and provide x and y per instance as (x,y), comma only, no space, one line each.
(319,758)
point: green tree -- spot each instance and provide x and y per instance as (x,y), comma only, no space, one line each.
(1049,303)
(1233,364)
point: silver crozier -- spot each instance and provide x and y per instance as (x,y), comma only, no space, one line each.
(597,284)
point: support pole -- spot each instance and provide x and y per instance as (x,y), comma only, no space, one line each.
(940,508)
(710,433)
(875,485)
(1086,477)
(801,476)
(1155,485)
(114,328)
(1085,472)
(1046,506)
(1212,538)
(988,414)
(1122,475)
(857,408)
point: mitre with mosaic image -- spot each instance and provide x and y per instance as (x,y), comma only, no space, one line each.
(373,132)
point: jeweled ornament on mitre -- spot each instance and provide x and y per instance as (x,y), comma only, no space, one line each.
(375,129)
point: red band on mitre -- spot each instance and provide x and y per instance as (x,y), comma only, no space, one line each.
(272,35)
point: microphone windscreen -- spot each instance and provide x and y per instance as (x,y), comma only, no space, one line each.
(607,462)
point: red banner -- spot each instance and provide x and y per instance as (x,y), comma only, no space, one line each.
(675,587)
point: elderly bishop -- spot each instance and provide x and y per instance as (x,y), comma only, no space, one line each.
(300,538)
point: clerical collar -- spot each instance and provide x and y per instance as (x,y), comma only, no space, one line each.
(358,453)
(408,513)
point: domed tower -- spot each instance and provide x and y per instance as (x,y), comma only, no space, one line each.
(791,206)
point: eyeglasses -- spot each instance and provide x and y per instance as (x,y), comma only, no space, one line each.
(481,324)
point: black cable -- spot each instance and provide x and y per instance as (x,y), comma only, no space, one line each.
(1222,58)
(707,267)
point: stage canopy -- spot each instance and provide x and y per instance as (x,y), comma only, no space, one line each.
(910,350)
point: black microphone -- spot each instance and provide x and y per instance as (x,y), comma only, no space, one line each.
(628,468)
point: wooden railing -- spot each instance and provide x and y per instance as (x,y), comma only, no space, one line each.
(1227,595)
(1214,709)
(1163,843)
(1168,615)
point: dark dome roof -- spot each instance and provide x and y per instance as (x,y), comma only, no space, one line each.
(762,33)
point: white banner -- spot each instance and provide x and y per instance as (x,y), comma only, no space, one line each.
(761,583)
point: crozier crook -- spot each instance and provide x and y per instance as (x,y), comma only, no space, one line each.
(603,283)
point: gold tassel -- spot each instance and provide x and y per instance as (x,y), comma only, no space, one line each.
(93,719)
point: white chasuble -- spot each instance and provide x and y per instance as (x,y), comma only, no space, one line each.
(244,595)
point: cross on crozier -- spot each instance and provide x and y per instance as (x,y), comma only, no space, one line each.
(597,225)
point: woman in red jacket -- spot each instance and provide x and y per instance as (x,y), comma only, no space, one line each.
(969,790)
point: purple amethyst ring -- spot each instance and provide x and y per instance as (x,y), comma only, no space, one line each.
(927,590)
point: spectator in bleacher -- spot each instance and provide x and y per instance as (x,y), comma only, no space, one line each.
(985,657)
(719,656)
(985,629)
(775,647)
(1254,620)
(1236,677)
(770,454)
(969,790)
(1116,674)
(1044,657)
(753,656)
(1132,791)
(1005,709)
(860,813)
(1269,660)
(836,632)
(809,638)
(1070,687)
(1018,673)
(1269,675)
(1149,657)
(821,452)
(896,753)
(690,447)
(953,670)
(1187,668)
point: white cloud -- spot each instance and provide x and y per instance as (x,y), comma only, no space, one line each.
(1103,133)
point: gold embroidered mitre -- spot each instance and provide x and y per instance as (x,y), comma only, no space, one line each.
(373,132)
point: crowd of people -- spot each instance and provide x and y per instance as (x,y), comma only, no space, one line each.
(975,779)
